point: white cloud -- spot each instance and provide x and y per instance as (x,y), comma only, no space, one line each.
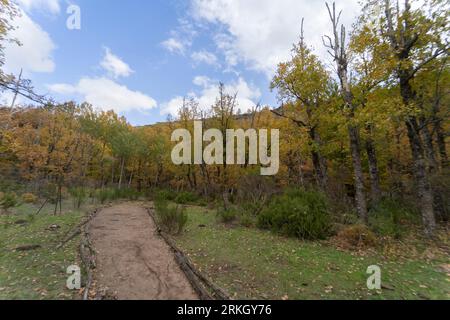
(174,46)
(204,57)
(247,95)
(172,106)
(115,66)
(51,6)
(201,81)
(36,49)
(260,33)
(107,94)
(180,38)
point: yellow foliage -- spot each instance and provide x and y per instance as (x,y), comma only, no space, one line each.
(29,198)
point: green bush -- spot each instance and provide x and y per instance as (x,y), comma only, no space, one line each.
(172,219)
(126,193)
(247,220)
(8,201)
(186,197)
(301,214)
(164,194)
(390,217)
(227,215)
(79,196)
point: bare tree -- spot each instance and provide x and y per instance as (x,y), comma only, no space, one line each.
(337,49)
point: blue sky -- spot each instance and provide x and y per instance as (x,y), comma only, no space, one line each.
(140,58)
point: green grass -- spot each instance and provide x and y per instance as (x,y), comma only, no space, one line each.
(41,273)
(254,264)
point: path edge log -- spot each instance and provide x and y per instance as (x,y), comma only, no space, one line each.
(204,287)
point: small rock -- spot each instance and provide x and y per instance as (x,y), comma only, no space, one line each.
(54,227)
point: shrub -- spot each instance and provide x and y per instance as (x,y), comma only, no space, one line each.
(186,197)
(29,198)
(79,196)
(172,219)
(390,217)
(247,220)
(126,193)
(301,214)
(357,236)
(227,215)
(164,194)
(103,195)
(8,201)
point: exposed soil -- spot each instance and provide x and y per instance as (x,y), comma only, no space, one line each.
(133,262)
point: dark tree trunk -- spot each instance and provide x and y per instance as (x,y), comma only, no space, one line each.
(423,185)
(375,190)
(424,191)
(433,166)
(360,197)
(319,163)
(429,147)
(402,43)
(441,145)
(188,175)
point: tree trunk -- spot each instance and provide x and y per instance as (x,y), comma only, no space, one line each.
(433,166)
(130,182)
(361,204)
(102,166)
(375,190)
(139,181)
(441,145)
(339,53)
(429,147)
(122,166)
(319,163)
(424,190)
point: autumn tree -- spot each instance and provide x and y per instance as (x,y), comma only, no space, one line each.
(303,86)
(416,38)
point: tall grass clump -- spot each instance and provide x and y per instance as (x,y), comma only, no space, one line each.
(79,196)
(171,218)
(8,200)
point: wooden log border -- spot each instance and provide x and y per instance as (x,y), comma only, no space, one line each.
(87,254)
(86,250)
(204,287)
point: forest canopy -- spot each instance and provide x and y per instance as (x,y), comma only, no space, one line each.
(373,126)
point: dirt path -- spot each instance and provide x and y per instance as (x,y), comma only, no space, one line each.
(133,262)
